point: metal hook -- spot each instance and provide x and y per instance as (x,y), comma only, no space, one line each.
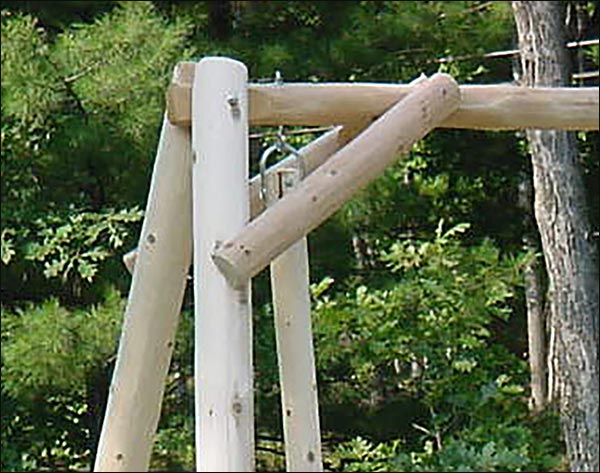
(262,165)
(278,78)
(282,147)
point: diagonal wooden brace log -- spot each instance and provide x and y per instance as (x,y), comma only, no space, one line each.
(331,185)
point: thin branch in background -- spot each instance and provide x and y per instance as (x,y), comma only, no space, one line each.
(303,131)
(586,75)
(86,70)
(270,450)
(476,8)
(406,52)
(508,52)
(267,438)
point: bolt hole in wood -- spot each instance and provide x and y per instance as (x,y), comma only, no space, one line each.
(119,457)
(288,412)
(237,407)
(310,457)
(151,239)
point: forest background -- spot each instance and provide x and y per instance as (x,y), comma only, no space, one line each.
(419,311)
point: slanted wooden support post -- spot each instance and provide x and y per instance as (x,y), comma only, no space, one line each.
(333,183)
(293,334)
(152,312)
(223,329)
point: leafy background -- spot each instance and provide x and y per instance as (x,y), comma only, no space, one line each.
(418,307)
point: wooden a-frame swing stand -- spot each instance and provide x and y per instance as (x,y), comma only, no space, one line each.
(202,204)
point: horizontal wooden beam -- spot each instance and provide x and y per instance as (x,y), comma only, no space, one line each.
(483,107)
(325,190)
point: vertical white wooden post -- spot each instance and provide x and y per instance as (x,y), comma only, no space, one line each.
(152,313)
(291,302)
(223,328)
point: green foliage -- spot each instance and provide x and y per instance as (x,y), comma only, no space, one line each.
(365,40)
(50,348)
(44,433)
(30,89)
(174,445)
(51,359)
(102,88)
(443,177)
(501,448)
(428,334)
(80,110)
(119,66)
(438,311)
(413,374)
(7,245)
(80,244)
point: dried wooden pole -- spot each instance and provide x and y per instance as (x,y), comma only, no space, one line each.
(333,183)
(152,312)
(223,330)
(293,334)
(483,107)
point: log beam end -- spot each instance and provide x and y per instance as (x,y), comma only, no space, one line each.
(234,276)
(179,95)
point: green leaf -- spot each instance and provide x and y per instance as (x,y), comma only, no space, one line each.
(7,248)
(54,267)
(87,270)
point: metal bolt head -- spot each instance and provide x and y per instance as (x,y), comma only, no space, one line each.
(233,102)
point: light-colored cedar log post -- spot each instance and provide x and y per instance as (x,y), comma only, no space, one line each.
(333,183)
(223,330)
(152,313)
(293,335)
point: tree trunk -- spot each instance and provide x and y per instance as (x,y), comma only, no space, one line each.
(220,18)
(534,299)
(569,252)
